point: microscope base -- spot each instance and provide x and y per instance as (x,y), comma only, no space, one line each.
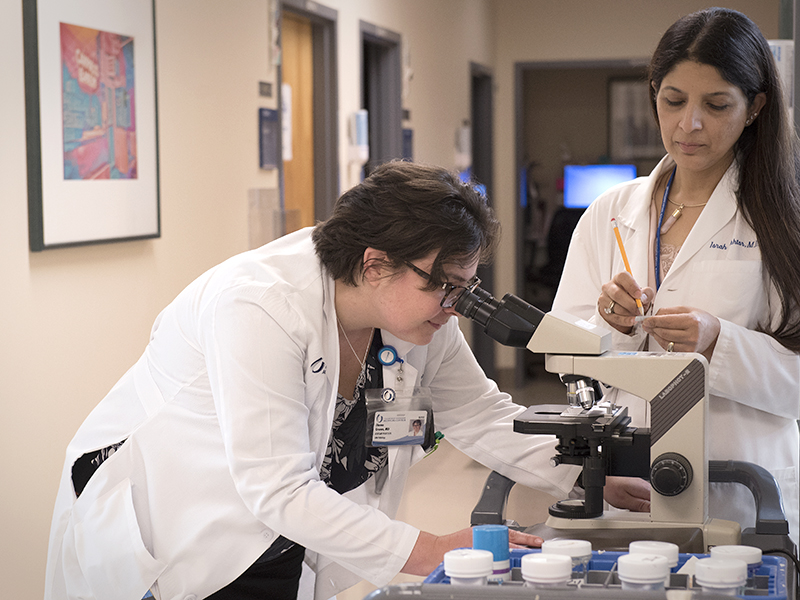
(615,530)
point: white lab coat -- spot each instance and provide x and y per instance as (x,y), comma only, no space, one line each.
(754,383)
(226,418)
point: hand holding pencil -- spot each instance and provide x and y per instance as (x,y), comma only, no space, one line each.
(625,260)
(623,302)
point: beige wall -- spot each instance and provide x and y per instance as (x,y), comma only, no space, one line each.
(73,320)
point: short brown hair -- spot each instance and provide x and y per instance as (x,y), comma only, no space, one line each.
(407,210)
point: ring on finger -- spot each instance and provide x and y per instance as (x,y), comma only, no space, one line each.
(609,310)
(670,346)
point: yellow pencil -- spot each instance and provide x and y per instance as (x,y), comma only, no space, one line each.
(625,260)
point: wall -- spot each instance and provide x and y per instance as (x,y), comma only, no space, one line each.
(73,320)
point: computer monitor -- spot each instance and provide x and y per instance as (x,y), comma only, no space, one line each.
(584,183)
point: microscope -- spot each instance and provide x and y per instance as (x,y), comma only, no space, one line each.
(596,434)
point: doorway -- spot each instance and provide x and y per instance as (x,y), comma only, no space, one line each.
(309,176)
(381,93)
(561,116)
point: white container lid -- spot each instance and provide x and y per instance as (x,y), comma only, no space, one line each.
(720,572)
(546,568)
(572,548)
(468,562)
(749,554)
(642,568)
(665,549)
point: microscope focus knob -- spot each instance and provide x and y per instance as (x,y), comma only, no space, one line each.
(670,474)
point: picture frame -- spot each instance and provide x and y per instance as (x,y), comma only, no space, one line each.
(632,131)
(91,121)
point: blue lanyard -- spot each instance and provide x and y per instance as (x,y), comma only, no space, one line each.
(658,227)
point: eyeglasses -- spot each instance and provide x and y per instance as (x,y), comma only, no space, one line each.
(452,292)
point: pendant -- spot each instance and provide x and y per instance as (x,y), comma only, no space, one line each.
(671,220)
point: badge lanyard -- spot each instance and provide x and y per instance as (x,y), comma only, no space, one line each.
(658,228)
(387,356)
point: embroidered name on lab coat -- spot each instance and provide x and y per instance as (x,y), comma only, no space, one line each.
(734,242)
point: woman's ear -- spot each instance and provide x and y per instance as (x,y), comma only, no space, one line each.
(653,90)
(758,103)
(375,264)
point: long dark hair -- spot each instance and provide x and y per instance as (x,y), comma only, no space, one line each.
(768,193)
(407,210)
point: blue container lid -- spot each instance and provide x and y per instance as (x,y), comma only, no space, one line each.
(493,538)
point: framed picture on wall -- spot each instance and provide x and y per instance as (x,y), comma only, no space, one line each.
(632,130)
(91,123)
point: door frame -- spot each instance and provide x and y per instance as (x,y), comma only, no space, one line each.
(384,98)
(326,103)
(482,127)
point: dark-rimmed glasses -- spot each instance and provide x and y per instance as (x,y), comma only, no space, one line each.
(452,292)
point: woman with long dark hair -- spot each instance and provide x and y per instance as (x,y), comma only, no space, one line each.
(713,238)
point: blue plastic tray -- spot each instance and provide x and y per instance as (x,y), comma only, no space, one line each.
(768,582)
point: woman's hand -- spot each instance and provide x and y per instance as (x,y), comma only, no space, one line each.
(617,302)
(689,330)
(429,551)
(631,493)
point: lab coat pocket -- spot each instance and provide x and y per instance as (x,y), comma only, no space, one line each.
(729,289)
(109,549)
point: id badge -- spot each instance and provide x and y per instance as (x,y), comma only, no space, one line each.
(399,417)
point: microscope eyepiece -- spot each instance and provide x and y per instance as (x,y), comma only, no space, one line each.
(477,305)
(510,321)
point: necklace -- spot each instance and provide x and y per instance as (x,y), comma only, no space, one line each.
(686,205)
(676,214)
(353,350)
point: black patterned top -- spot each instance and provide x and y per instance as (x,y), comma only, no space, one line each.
(348,461)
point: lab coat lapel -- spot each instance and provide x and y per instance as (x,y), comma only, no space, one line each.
(409,371)
(721,208)
(331,344)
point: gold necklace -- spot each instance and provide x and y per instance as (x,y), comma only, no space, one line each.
(353,350)
(686,205)
(676,214)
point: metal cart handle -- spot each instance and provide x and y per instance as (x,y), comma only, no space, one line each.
(770,518)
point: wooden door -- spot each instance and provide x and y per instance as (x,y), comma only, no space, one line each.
(297,72)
